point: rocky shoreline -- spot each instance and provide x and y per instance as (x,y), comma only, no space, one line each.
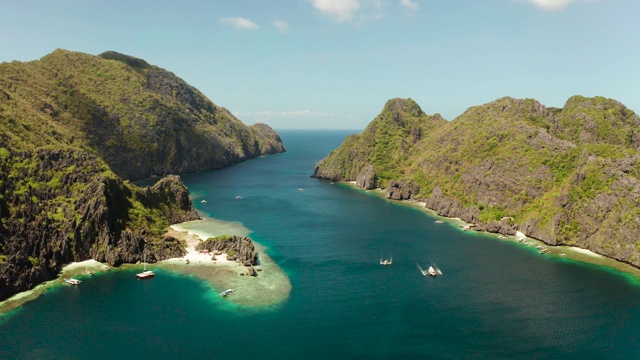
(503,230)
(566,176)
(267,286)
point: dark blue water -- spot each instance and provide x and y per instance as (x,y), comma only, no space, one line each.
(496,299)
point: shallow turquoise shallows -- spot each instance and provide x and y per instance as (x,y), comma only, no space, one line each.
(495,299)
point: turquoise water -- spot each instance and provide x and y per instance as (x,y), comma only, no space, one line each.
(496,299)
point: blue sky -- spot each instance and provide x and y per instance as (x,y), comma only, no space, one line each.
(334,63)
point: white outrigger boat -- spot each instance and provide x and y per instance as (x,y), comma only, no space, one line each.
(72,281)
(227,293)
(385,262)
(432,270)
(145,274)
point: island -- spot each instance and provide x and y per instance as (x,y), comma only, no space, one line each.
(75,131)
(565,176)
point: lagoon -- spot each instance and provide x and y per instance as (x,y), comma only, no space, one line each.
(496,299)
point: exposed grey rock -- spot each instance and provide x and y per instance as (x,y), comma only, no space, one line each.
(238,248)
(401,190)
(366,179)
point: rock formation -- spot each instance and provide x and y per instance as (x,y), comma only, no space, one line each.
(238,248)
(568,176)
(72,127)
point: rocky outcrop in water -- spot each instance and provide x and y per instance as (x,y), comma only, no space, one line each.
(238,248)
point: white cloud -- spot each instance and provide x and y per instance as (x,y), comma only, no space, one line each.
(555,4)
(240,23)
(338,10)
(411,5)
(281,25)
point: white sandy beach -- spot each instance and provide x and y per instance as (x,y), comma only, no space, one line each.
(193,238)
(82,265)
(271,287)
(585,251)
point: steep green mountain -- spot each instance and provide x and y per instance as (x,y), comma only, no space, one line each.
(72,127)
(564,176)
(140,119)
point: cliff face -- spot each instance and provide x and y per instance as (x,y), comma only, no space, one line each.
(58,206)
(141,120)
(72,127)
(371,157)
(564,176)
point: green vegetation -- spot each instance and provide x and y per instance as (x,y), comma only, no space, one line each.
(34,260)
(140,119)
(570,174)
(72,125)
(219,238)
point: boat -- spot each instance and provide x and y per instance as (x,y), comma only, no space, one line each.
(438,221)
(238,197)
(145,274)
(88,272)
(385,262)
(72,281)
(227,293)
(300,189)
(203,201)
(431,270)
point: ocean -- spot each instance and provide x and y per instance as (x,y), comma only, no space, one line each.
(495,300)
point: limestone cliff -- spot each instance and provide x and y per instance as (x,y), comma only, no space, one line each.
(59,206)
(142,120)
(73,126)
(565,176)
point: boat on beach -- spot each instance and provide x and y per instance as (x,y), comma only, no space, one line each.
(72,281)
(227,293)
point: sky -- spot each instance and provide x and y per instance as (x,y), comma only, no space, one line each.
(333,64)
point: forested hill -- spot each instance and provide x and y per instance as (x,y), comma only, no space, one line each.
(140,119)
(74,129)
(562,175)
